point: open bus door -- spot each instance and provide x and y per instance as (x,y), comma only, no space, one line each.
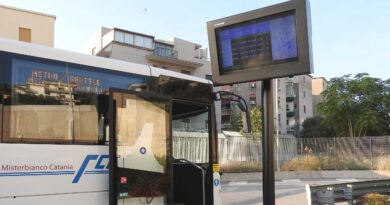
(145,166)
(140,148)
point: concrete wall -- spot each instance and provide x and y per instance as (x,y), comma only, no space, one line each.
(318,86)
(188,51)
(304,97)
(129,54)
(41,25)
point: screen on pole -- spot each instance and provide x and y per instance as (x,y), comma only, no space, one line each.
(266,43)
(259,42)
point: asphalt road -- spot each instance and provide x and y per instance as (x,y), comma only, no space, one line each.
(288,192)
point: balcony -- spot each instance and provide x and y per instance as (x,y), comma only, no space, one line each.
(164,55)
(164,52)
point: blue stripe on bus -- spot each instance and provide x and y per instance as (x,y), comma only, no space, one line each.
(35,173)
(96,172)
(49,173)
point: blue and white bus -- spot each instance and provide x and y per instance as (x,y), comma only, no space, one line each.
(86,130)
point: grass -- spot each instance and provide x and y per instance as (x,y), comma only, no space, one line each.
(241,167)
(374,199)
(382,163)
(312,162)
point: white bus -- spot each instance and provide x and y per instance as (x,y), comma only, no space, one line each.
(85,130)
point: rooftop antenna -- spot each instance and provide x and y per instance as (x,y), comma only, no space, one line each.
(145,11)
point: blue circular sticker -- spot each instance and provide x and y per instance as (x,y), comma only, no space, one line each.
(216,182)
(142,150)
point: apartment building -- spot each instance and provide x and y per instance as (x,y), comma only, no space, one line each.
(177,55)
(294,103)
(28,26)
(319,85)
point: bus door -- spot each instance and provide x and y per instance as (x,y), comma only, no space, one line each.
(140,148)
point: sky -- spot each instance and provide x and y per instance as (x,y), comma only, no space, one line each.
(348,36)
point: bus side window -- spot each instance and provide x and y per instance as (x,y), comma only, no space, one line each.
(49,101)
(40,103)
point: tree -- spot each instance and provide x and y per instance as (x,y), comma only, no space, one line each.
(315,127)
(357,106)
(256,120)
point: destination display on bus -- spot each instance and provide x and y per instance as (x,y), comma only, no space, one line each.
(266,43)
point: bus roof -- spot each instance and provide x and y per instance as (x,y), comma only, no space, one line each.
(30,49)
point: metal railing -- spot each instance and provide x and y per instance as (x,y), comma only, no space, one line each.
(344,192)
(168,53)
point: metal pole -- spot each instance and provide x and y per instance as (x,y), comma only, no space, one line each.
(268,145)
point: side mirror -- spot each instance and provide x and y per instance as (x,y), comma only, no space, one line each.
(242,105)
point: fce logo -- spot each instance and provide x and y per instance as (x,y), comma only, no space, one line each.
(100,167)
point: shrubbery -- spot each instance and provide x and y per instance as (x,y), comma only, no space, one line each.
(382,163)
(237,167)
(312,162)
(374,199)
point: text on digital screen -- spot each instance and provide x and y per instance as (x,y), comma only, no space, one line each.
(257,43)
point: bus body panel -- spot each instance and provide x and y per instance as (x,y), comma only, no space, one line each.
(90,198)
(49,172)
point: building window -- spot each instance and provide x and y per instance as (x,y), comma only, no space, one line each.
(287,108)
(119,36)
(287,122)
(133,39)
(304,94)
(185,72)
(25,34)
(139,41)
(129,38)
(163,50)
(304,109)
(148,43)
(209,77)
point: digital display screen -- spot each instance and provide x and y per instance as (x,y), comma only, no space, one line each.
(256,43)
